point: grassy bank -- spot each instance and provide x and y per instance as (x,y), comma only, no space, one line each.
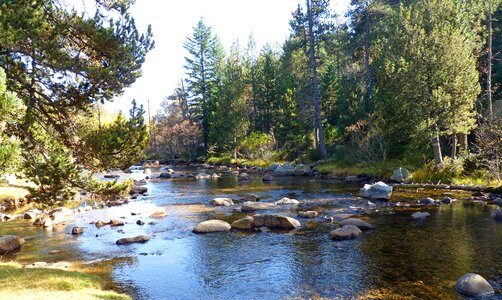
(227,160)
(17,282)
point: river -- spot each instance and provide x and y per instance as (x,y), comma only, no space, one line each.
(401,258)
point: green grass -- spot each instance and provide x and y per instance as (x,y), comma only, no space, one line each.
(381,169)
(17,282)
(227,160)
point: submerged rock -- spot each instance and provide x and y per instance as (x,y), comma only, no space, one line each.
(212,226)
(251,197)
(286,200)
(276,221)
(135,239)
(308,214)
(244,223)
(244,177)
(351,179)
(361,224)
(111,176)
(222,202)
(378,190)
(473,285)
(252,206)
(160,213)
(345,233)
(420,215)
(165,175)
(267,178)
(10,243)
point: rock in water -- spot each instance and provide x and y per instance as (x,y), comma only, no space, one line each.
(286,200)
(130,240)
(222,202)
(251,197)
(345,233)
(77,230)
(363,225)
(473,285)
(378,190)
(276,221)
(420,215)
(400,175)
(252,206)
(165,175)
(244,223)
(308,214)
(284,169)
(267,178)
(427,201)
(10,243)
(301,170)
(212,226)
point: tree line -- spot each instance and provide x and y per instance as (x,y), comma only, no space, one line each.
(411,80)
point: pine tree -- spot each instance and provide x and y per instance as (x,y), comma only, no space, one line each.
(203,66)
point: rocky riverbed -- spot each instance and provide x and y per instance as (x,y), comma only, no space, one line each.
(283,249)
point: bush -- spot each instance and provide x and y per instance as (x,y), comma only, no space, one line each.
(257,145)
(447,173)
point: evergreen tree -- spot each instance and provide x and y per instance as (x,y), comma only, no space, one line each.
(203,66)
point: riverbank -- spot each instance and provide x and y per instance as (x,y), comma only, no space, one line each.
(18,282)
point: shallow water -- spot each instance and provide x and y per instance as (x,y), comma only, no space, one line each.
(400,258)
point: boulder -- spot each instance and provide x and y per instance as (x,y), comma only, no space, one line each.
(252,206)
(345,233)
(212,226)
(351,179)
(222,202)
(400,175)
(378,190)
(165,175)
(420,215)
(473,285)
(286,200)
(139,222)
(267,178)
(77,230)
(446,200)
(251,197)
(115,223)
(272,167)
(32,214)
(111,176)
(147,171)
(308,214)
(138,190)
(276,221)
(44,222)
(244,177)
(170,171)
(215,176)
(160,213)
(497,215)
(202,176)
(130,240)
(284,169)
(244,223)
(361,224)
(10,243)
(302,170)
(426,201)
(99,224)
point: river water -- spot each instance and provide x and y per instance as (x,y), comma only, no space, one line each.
(400,259)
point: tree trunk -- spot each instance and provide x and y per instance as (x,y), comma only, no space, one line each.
(315,84)
(454,145)
(436,146)
(489,72)
(465,142)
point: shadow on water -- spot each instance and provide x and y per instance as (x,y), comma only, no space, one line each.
(401,258)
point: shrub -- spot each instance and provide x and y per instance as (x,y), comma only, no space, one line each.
(257,145)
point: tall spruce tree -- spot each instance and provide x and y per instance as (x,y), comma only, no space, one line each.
(204,67)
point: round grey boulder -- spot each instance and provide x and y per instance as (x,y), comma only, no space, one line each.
(212,226)
(420,215)
(244,223)
(361,224)
(221,202)
(276,221)
(346,232)
(252,206)
(473,285)
(287,201)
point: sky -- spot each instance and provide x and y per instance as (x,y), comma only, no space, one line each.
(173,21)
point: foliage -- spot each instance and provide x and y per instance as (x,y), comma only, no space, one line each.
(11,113)
(118,144)
(110,189)
(451,170)
(257,145)
(489,146)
